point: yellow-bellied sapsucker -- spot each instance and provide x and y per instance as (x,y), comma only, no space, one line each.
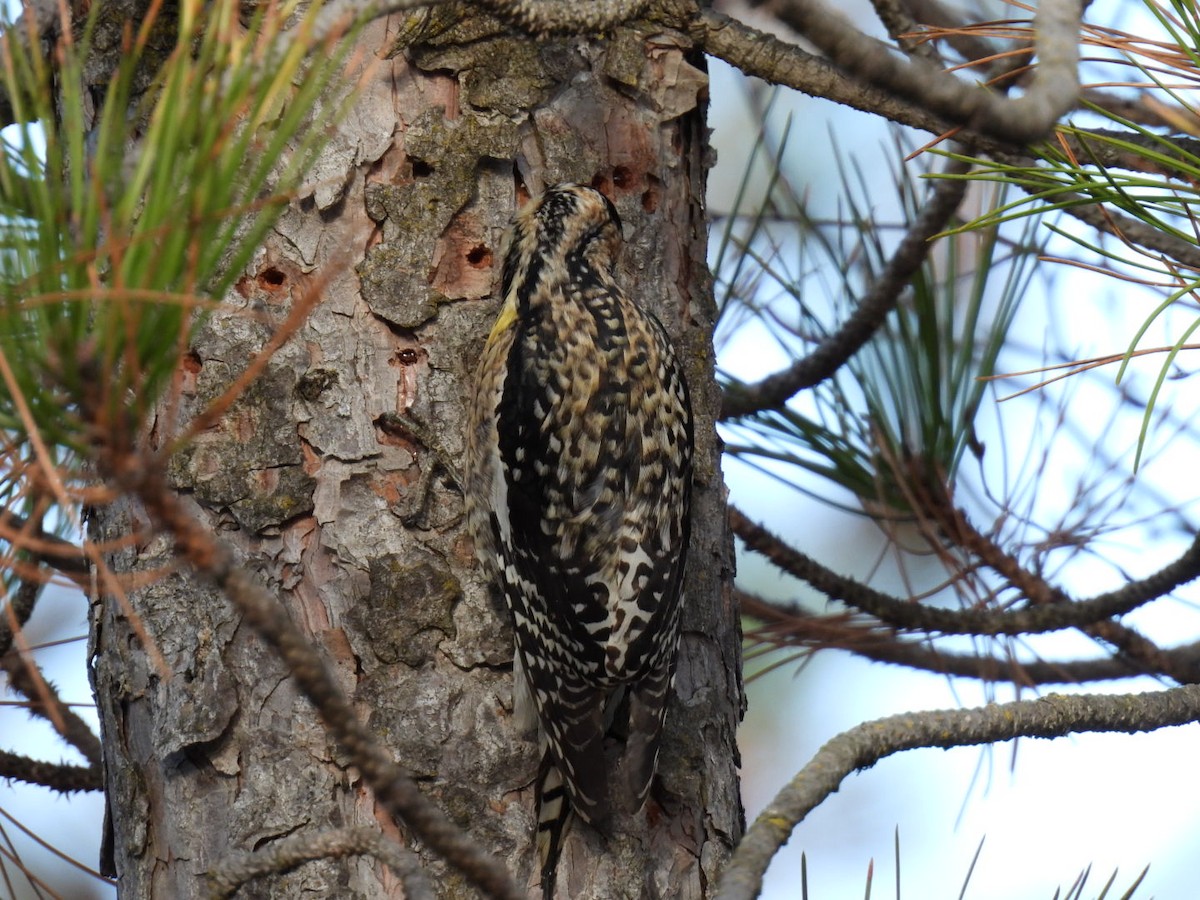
(578,494)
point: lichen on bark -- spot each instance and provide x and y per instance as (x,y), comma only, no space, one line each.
(356,520)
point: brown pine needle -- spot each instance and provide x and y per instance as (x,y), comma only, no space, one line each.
(1077,366)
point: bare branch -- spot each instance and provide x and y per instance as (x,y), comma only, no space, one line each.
(1131,231)
(566,16)
(774,390)
(778,62)
(17,611)
(1052,92)
(788,625)
(48,548)
(863,746)
(56,776)
(1054,615)
(1140,650)
(904,30)
(25,678)
(932,12)
(290,852)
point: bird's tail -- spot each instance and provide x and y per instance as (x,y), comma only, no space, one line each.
(554,814)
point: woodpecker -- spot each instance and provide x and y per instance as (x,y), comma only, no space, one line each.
(579,461)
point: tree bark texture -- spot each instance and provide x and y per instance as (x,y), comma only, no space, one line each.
(356,522)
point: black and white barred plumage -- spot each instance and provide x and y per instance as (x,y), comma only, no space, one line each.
(579,486)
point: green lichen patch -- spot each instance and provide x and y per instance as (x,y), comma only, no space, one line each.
(251,463)
(408,610)
(395,275)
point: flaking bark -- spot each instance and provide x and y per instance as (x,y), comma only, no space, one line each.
(357,522)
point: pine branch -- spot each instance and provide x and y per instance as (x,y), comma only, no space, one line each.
(17,611)
(26,678)
(863,746)
(1052,92)
(59,554)
(789,625)
(288,853)
(56,776)
(1057,612)
(832,353)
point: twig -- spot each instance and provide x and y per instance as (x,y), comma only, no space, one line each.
(17,611)
(1101,146)
(1052,92)
(786,624)
(1094,614)
(968,45)
(56,776)
(25,678)
(1132,109)
(864,745)
(44,701)
(1140,650)
(287,853)
(566,16)
(904,30)
(1053,616)
(765,56)
(1129,230)
(774,390)
(48,548)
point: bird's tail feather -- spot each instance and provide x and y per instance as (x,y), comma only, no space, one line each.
(554,814)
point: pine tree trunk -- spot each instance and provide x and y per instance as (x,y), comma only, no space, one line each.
(354,517)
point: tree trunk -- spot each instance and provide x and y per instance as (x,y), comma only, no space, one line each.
(354,517)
